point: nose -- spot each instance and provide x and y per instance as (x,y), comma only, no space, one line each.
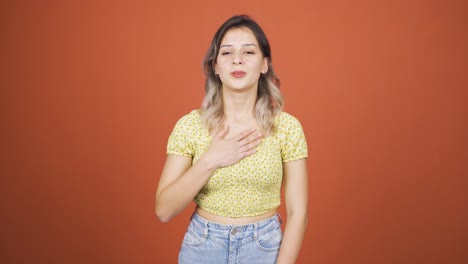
(237,58)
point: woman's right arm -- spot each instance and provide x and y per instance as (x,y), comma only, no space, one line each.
(180,182)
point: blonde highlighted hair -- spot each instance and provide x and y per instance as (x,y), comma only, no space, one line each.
(269,99)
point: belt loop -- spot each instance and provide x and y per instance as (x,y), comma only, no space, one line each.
(255,231)
(205,230)
(280,220)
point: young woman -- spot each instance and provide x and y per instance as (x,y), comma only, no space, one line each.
(232,156)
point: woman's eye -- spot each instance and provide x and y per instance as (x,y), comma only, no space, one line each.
(225,53)
(249,52)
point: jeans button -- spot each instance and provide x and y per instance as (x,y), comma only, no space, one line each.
(233,232)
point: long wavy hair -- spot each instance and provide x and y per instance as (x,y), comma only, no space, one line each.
(269,99)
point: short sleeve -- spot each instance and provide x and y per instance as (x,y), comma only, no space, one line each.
(294,144)
(179,142)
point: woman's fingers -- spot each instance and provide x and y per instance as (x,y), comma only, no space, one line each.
(223,132)
(252,139)
(230,150)
(250,146)
(247,153)
(244,134)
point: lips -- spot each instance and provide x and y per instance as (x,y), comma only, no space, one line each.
(238,74)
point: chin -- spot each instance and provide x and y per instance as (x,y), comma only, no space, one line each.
(241,87)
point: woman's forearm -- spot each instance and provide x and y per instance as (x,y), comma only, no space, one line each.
(292,239)
(179,194)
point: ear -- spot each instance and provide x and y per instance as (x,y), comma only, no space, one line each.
(265,65)
(216,68)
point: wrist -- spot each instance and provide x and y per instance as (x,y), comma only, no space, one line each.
(208,163)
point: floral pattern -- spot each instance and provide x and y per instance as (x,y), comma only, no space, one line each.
(252,186)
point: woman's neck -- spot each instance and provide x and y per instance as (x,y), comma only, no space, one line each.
(239,106)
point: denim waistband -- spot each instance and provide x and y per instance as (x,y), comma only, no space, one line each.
(245,227)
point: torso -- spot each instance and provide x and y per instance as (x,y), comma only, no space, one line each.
(250,189)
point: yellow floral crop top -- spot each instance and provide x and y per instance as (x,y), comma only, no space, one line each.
(252,186)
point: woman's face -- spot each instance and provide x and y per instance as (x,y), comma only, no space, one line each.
(240,60)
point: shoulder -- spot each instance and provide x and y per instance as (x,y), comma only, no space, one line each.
(189,123)
(185,132)
(291,136)
(192,118)
(286,121)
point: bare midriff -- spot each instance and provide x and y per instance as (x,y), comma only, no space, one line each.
(234,220)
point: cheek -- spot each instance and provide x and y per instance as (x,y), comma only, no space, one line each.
(223,63)
(254,62)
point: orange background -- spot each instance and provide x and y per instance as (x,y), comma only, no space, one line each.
(92,89)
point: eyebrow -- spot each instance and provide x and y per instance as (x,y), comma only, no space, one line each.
(243,45)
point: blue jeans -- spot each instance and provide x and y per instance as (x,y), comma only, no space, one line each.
(210,242)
